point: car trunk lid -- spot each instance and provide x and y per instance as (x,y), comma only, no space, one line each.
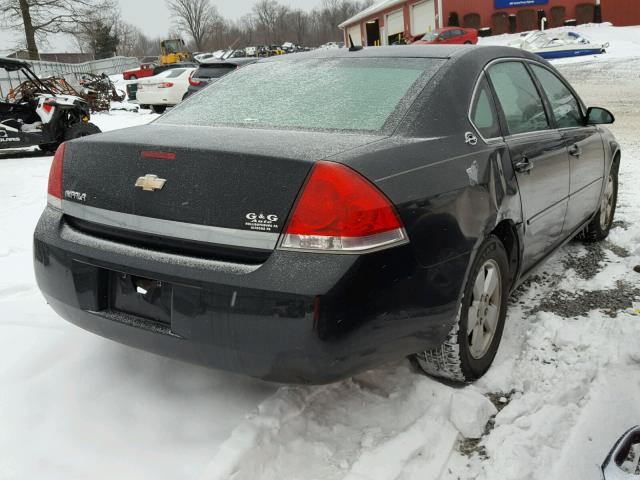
(226,186)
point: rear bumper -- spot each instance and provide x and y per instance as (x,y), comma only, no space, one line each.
(158,98)
(296,318)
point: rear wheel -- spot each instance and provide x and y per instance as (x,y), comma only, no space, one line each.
(80,130)
(158,108)
(471,346)
(600,226)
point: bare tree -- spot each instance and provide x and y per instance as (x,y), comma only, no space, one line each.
(39,18)
(196,17)
(269,15)
(299,21)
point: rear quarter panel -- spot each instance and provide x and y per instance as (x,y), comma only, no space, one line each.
(449,194)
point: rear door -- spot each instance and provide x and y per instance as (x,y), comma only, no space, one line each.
(539,158)
(584,145)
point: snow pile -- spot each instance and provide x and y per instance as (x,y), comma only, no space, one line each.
(470,412)
(384,424)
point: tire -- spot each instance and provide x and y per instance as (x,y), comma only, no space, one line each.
(467,43)
(600,225)
(79,130)
(463,358)
(159,109)
(133,77)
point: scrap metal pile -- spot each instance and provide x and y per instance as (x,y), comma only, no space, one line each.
(98,90)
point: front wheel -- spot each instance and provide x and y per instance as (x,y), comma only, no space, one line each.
(472,343)
(160,109)
(600,226)
(80,130)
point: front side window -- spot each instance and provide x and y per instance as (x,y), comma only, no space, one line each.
(518,98)
(483,113)
(566,108)
(360,94)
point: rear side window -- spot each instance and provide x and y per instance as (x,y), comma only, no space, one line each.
(565,106)
(483,112)
(518,98)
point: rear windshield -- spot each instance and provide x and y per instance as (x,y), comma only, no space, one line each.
(175,73)
(359,94)
(214,72)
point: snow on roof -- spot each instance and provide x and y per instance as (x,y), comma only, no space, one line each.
(372,10)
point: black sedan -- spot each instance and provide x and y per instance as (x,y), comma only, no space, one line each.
(385,206)
(212,71)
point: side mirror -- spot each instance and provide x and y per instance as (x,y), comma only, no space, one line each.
(599,116)
(623,462)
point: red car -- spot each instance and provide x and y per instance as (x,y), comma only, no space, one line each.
(145,70)
(449,35)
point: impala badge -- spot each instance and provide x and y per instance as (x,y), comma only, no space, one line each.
(150,183)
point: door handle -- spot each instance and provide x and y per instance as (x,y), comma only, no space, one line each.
(575,151)
(524,165)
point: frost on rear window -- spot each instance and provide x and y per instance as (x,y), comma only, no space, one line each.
(334,94)
(175,73)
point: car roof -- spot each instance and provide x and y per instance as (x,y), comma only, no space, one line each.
(12,64)
(410,51)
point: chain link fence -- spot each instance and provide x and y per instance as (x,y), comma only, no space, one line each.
(109,66)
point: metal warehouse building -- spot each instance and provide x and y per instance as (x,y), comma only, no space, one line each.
(391,21)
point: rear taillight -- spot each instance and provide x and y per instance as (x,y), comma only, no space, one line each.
(194,83)
(54,197)
(340,211)
(165,85)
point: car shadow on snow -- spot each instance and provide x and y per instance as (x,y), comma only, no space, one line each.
(18,154)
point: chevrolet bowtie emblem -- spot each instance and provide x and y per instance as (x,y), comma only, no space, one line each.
(150,183)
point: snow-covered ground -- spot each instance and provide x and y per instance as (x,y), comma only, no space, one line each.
(566,380)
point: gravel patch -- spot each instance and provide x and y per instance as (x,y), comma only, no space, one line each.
(579,304)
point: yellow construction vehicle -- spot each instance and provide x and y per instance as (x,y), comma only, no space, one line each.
(174,51)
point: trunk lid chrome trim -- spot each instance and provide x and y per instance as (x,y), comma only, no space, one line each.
(170,228)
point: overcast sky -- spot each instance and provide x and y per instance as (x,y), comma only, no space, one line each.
(152,17)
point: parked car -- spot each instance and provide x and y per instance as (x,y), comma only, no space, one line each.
(210,72)
(147,71)
(449,35)
(163,68)
(164,90)
(203,57)
(309,237)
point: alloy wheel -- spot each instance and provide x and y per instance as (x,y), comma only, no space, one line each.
(484,311)
(606,207)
